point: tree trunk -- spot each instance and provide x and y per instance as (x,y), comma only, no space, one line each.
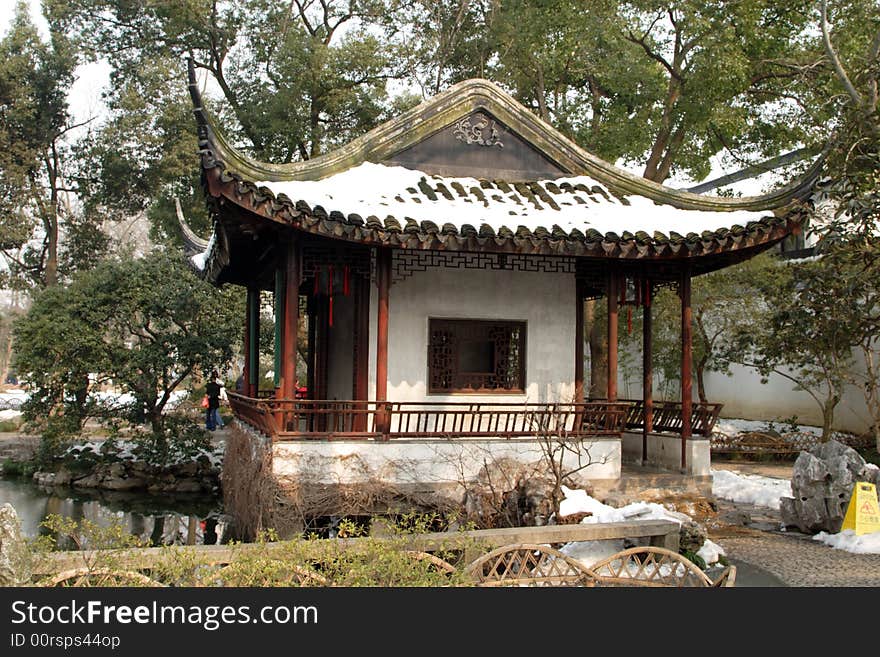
(598,352)
(828,416)
(699,369)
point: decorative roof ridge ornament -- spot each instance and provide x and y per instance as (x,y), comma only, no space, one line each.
(457,103)
(481,132)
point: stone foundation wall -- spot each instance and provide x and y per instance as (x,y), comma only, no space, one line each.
(664,452)
(281,485)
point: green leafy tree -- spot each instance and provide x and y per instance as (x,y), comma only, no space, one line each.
(146,325)
(803,332)
(38,176)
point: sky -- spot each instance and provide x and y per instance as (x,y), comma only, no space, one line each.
(91,79)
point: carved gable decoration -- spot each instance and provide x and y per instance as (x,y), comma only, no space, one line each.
(478,145)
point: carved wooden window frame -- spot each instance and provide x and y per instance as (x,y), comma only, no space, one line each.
(445,335)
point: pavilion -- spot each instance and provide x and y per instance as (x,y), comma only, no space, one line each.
(443,260)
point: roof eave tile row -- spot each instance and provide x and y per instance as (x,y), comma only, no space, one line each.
(428,235)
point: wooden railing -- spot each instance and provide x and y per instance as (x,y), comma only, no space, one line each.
(667,416)
(296,419)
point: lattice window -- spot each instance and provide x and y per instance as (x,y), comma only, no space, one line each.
(476,356)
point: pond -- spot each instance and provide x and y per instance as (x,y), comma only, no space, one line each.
(160,519)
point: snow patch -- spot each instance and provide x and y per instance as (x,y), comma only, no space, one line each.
(848,541)
(710,552)
(750,489)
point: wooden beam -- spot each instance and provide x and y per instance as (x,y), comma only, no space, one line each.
(579,342)
(686,362)
(290,322)
(612,293)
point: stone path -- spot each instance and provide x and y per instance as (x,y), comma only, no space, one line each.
(794,558)
(797,560)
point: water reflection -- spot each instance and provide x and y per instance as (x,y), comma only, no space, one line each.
(161,520)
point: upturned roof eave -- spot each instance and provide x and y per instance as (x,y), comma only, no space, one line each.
(457,102)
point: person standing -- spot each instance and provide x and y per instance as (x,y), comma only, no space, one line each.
(213,390)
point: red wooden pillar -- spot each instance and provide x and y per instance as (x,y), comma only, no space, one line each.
(647,369)
(360,366)
(383,280)
(686,362)
(291,323)
(579,343)
(613,293)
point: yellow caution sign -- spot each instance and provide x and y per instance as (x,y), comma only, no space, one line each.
(863,512)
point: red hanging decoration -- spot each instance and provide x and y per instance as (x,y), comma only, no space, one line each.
(330,312)
(629,320)
(345,286)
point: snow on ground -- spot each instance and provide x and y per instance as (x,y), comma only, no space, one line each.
(10,415)
(766,491)
(750,489)
(591,552)
(735,426)
(710,552)
(847,540)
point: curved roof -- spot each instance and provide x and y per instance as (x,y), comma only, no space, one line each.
(577,205)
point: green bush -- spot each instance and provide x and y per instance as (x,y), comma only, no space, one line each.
(8,426)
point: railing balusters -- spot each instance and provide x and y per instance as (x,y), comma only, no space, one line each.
(320,418)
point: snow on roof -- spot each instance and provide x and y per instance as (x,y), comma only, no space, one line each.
(199,259)
(575,202)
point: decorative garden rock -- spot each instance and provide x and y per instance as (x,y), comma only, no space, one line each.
(15,566)
(822,482)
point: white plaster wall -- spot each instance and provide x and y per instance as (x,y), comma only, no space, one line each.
(744,396)
(341,342)
(544,301)
(423,461)
(664,451)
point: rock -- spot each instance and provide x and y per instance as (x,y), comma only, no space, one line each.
(123,483)
(530,503)
(185,486)
(822,482)
(692,535)
(63,477)
(735,517)
(93,480)
(189,469)
(15,565)
(573,519)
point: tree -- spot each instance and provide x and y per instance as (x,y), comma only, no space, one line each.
(37,172)
(803,332)
(146,325)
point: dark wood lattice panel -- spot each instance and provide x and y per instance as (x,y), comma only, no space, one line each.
(405,263)
(317,258)
(476,356)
